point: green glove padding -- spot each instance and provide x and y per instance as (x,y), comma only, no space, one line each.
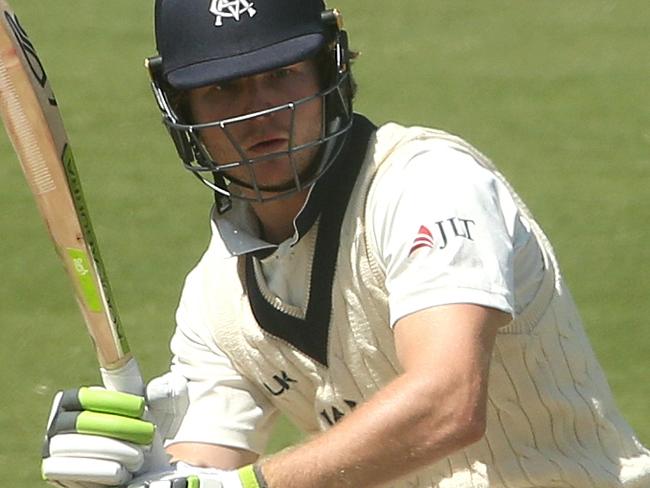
(104,424)
(101,400)
(107,413)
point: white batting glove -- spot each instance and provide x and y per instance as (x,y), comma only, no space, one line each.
(167,402)
(98,437)
(187,476)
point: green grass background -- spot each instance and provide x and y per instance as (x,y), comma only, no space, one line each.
(555,92)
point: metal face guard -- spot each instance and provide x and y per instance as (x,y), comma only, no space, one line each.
(198,160)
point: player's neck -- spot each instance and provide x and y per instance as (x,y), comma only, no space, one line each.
(276,216)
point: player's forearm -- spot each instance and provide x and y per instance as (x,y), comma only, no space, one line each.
(409,424)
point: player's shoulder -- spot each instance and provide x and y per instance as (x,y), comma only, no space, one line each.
(414,156)
(399,148)
(392,138)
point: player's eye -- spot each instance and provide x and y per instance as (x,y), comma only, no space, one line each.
(223,86)
(282,73)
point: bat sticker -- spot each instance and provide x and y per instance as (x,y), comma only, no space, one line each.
(30,55)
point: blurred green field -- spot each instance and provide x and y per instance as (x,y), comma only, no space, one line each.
(556,93)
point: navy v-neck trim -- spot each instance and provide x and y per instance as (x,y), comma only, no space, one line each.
(328,201)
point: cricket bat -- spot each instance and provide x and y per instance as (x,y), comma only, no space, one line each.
(33,122)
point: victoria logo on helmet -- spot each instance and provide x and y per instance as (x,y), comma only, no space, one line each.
(231,9)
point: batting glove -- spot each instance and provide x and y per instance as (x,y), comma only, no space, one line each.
(186,476)
(100,437)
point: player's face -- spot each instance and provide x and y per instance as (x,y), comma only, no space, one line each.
(267,134)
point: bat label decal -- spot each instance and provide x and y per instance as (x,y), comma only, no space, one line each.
(30,55)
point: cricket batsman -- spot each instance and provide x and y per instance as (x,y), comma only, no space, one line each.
(382,286)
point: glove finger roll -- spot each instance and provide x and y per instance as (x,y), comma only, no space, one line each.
(102,400)
(102,424)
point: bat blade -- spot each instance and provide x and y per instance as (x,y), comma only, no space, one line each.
(33,122)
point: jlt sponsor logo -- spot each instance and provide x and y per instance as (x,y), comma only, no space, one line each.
(443,231)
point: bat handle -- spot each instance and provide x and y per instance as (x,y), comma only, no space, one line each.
(126,378)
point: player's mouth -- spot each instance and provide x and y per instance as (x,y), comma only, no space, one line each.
(268,145)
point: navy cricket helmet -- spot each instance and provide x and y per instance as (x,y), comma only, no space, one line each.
(207,42)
